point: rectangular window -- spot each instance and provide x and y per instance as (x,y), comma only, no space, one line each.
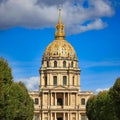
(73,81)
(46,81)
(36,117)
(64,80)
(83,101)
(55,80)
(36,101)
(59,101)
(83,117)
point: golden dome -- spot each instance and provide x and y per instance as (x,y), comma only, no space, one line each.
(60,47)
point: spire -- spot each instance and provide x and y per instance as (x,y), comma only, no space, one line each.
(59,17)
(59,35)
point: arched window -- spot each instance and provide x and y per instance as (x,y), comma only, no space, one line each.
(72,64)
(47,63)
(55,80)
(64,80)
(36,101)
(83,101)
(64,64)
(73,82)
(55,63)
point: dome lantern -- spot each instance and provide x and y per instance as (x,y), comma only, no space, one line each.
(59,35)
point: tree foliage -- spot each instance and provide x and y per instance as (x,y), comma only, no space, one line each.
(5,72)
(105,105)
(115,95)
(90,107)
(15,102)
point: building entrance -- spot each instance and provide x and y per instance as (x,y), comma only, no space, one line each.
(59,118)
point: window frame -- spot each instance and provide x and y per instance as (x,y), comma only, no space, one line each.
(64,80)
(54,80)
(64,64)
(36,101)
(82,101)
(59,101)
(55,64)
(72,64)
(73,80)
(45,80)
(83,117)
(36,117)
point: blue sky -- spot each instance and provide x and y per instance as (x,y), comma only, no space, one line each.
(92,27)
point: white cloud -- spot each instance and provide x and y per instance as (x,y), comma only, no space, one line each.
(31,83)
(40,14)
(101,89)
(95,25)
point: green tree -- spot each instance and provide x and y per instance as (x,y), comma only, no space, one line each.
(6,79)
(5,72)
(100,107)
(115,96)
(18,105)
(15,102)
(104,107)
(91,108)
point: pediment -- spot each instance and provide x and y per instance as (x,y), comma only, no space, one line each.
(60,87)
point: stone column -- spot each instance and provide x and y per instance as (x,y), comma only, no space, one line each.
(55,115)
(63,116)
(68,99)
(68,116)
(39,117)
(48,115)
(42,99)
(76,99)
(41,80)
(76,117)
(51,116)
(64,99)
(42,115)
(47,79)
(50,98)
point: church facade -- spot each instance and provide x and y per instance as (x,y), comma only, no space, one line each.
(59,96)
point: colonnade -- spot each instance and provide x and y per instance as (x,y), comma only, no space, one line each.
(64,115)
(65,96)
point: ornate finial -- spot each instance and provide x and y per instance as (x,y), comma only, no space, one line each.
(60,35)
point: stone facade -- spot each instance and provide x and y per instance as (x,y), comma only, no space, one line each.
(59,96)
